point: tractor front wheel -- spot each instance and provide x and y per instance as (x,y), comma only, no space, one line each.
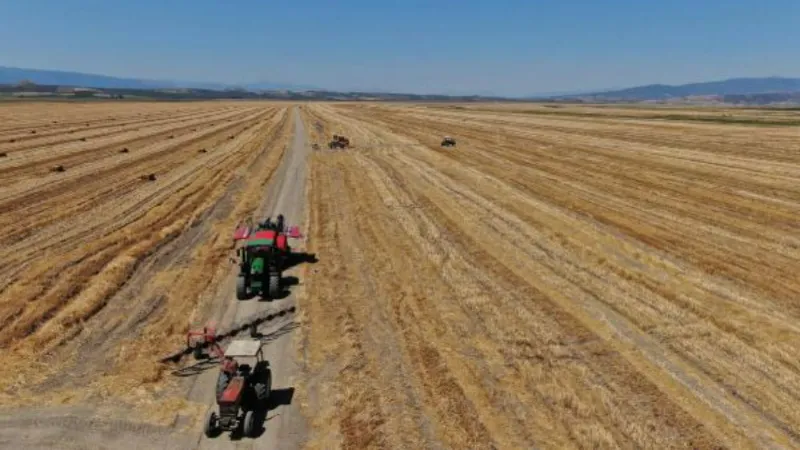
(241,287)
(249,424)
(212,424)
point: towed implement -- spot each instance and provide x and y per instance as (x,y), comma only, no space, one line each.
(262,257)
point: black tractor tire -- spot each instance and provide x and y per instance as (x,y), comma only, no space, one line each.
(241,288)
(262,388)
(212,424)
(249,424)
(274,285)
(267,383)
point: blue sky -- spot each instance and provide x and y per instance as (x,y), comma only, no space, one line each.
(502,47)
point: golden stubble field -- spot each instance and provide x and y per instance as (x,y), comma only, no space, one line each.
(566,277)
(102,271)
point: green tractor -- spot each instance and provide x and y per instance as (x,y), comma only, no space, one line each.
(262,258)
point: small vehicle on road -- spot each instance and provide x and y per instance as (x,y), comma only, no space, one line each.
(243,387)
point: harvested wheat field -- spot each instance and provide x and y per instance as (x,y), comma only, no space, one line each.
(565,277)
(105,264)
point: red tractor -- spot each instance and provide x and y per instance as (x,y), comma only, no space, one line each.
(243,387)
(262,257)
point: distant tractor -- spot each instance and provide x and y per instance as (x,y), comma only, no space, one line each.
(243,387)
(339,142)
(262,257)
(448,142)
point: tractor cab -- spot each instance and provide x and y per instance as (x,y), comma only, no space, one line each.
(268,224)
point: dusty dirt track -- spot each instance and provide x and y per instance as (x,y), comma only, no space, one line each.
(563,278)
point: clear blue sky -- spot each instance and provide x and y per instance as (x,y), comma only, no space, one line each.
(504,47)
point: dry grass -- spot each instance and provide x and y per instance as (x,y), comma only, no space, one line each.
(102,272)
(597,278)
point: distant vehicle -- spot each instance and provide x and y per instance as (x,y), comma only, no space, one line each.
(339,142)
(448,142)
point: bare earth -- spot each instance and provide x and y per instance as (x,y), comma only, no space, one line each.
(566,277)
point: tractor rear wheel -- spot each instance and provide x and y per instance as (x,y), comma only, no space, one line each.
(263,387)
(249,424)
(274,285)
(268,383)
(241,288)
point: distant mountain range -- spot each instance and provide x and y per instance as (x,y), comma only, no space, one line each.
(730,87)
(735,90)
(13,75)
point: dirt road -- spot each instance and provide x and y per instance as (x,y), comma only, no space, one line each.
(283,426)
